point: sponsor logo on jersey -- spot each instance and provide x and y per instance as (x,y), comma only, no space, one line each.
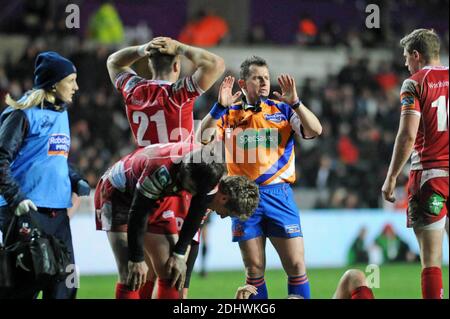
(265,137)
(58,144)
(168,214)
(45,122)
(435,204)
(136,101)
(153,186)
(238,231)
(437,85)
(276,118)
(292,229)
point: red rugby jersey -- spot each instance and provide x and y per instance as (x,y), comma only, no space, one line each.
(159,111)
(425,94)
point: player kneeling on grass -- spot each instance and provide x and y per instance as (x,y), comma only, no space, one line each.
(140,200)
(353,285)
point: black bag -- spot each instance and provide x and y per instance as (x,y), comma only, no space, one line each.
(7,261)
(44,256)
(6,268)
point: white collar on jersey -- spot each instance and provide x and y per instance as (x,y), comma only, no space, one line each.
(435,67)
(162,82)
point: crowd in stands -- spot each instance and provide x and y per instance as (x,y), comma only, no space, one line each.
(358,109)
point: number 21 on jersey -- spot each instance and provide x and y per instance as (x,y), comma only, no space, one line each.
(143,121)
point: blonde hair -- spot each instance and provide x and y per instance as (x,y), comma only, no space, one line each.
(424,41)
(31,98)
(244,195)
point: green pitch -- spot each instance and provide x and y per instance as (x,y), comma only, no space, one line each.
(396,281)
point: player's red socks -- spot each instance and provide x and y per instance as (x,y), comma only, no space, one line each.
(122,292)
(167,292)
(362,292)
(146,290)
(432,283)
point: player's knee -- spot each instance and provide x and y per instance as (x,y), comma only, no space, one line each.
(354,278)
(255,270)
(295,267)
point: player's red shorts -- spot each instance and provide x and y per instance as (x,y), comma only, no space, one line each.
(112,209)
(427,197)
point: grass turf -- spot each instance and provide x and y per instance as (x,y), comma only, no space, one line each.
(396,281)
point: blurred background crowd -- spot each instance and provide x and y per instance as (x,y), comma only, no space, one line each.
(358,104)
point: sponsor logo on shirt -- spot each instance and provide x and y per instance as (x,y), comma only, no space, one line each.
(292,229)
(168,214)
(58,144)
(264,137)
(45,122)
(238,231)
(276,118)
(437,85)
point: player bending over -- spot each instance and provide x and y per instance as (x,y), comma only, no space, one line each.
(140,200)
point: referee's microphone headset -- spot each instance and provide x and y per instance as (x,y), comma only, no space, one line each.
(255,108)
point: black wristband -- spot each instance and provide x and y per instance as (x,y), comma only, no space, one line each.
(296,105)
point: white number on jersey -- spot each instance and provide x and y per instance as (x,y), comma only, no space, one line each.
(442,113)
(143,121)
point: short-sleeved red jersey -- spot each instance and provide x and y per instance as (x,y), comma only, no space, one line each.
(151,170)
(159,111)
(425,94)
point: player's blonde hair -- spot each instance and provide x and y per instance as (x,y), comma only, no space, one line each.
(424,41)
(31,98)
(244,195)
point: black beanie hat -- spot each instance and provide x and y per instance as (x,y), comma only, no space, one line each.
(50,68)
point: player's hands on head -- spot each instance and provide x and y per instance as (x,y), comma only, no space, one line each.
(166,45)
(226,97)
(288,89)
(25,207)
(176,271)
(246,291)
(137,274)
(388,189)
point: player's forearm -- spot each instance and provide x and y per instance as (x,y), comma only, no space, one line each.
(137,223)
(311,124)
(125,57)
(402,151)
(205,133)
(202,58)
(191,224)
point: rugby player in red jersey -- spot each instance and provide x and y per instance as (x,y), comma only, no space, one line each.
(423,135)
(160,110)
(141,198)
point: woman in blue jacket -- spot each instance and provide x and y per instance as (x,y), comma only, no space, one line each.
(34,173)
